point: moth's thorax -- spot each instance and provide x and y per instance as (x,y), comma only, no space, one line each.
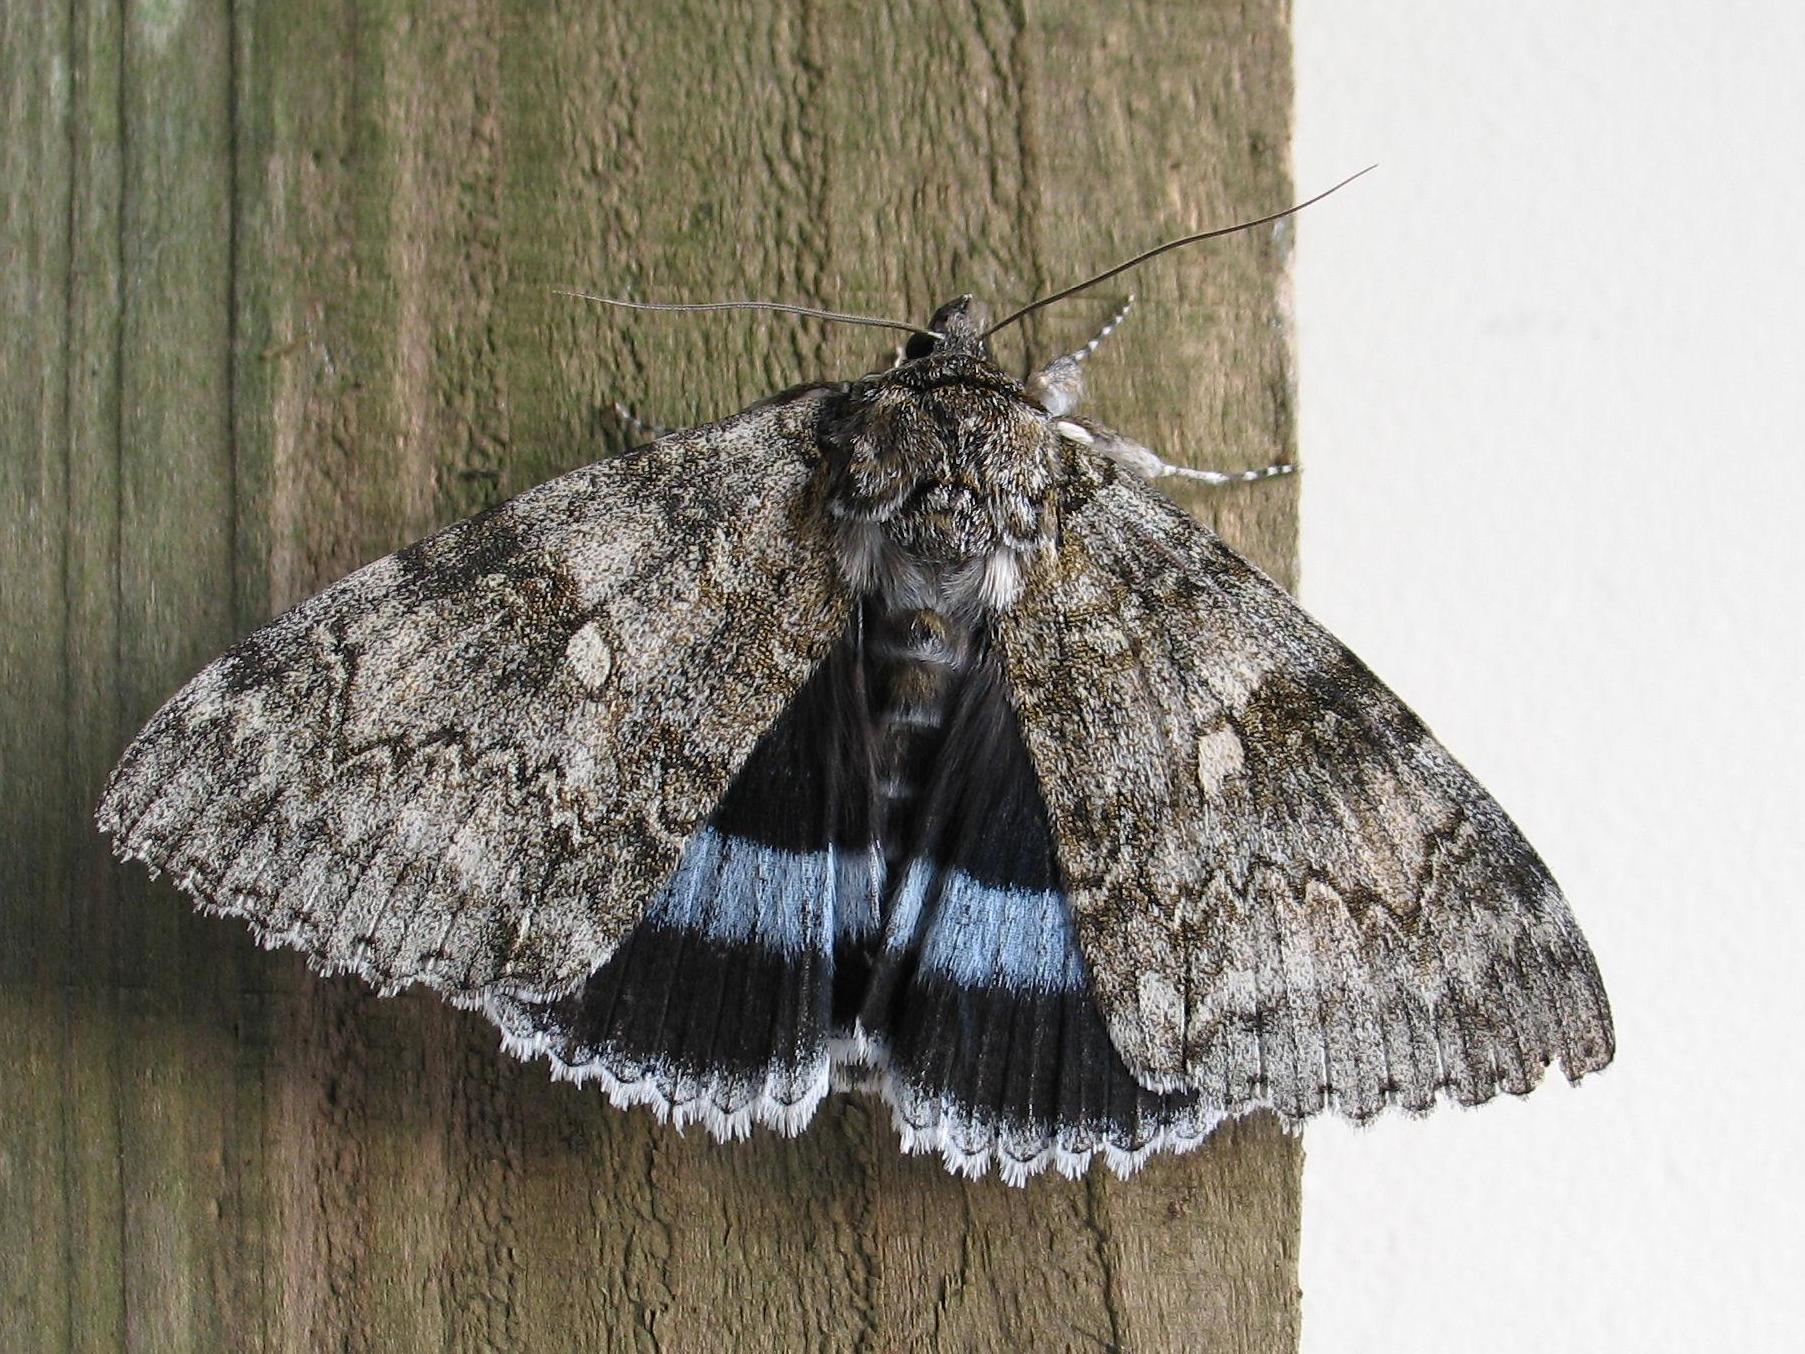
(944,483)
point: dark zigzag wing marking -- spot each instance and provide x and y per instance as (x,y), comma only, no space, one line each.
(1288,893)
(471,764)
(991,1048)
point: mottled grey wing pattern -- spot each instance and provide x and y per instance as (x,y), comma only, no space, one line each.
(1288,894)
(472,763)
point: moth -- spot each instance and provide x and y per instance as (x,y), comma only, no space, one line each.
(894,734)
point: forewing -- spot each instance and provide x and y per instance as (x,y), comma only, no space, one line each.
(472,763)
(1288,894)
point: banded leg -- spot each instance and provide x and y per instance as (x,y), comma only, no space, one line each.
(1146,463)
(1058,387)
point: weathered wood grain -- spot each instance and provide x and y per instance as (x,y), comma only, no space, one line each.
(276,280)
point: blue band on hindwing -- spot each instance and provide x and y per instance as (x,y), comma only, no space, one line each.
(736,892)
(985,936)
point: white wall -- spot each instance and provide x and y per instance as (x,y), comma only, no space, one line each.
(1551,368)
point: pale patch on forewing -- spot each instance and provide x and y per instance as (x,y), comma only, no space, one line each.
(590,658)
(1220,756)
(1235,677)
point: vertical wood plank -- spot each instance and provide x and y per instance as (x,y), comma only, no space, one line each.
(287,275)
(37,799)
(93,1179)
(176,1057)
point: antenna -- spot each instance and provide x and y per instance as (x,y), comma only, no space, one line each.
(1168,246)
(778,306)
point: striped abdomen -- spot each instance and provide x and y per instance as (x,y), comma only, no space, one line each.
(916,659)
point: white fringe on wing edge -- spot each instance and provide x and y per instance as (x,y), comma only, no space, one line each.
(726,1108)
(968,1144)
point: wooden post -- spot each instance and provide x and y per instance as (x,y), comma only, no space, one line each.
(277,296)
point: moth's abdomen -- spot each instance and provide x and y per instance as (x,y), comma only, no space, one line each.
(916,659)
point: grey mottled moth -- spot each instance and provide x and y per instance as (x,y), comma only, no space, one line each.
(893,734)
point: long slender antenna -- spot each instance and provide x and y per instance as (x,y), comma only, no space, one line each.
(1168,246)
(778,306)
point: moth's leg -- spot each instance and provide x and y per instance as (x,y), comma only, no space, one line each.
(1058,387)
(1131,455)
(653,431)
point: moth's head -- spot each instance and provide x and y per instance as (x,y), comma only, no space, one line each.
(957,327)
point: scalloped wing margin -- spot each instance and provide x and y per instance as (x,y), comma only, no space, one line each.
(1288,894)
(472,763)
